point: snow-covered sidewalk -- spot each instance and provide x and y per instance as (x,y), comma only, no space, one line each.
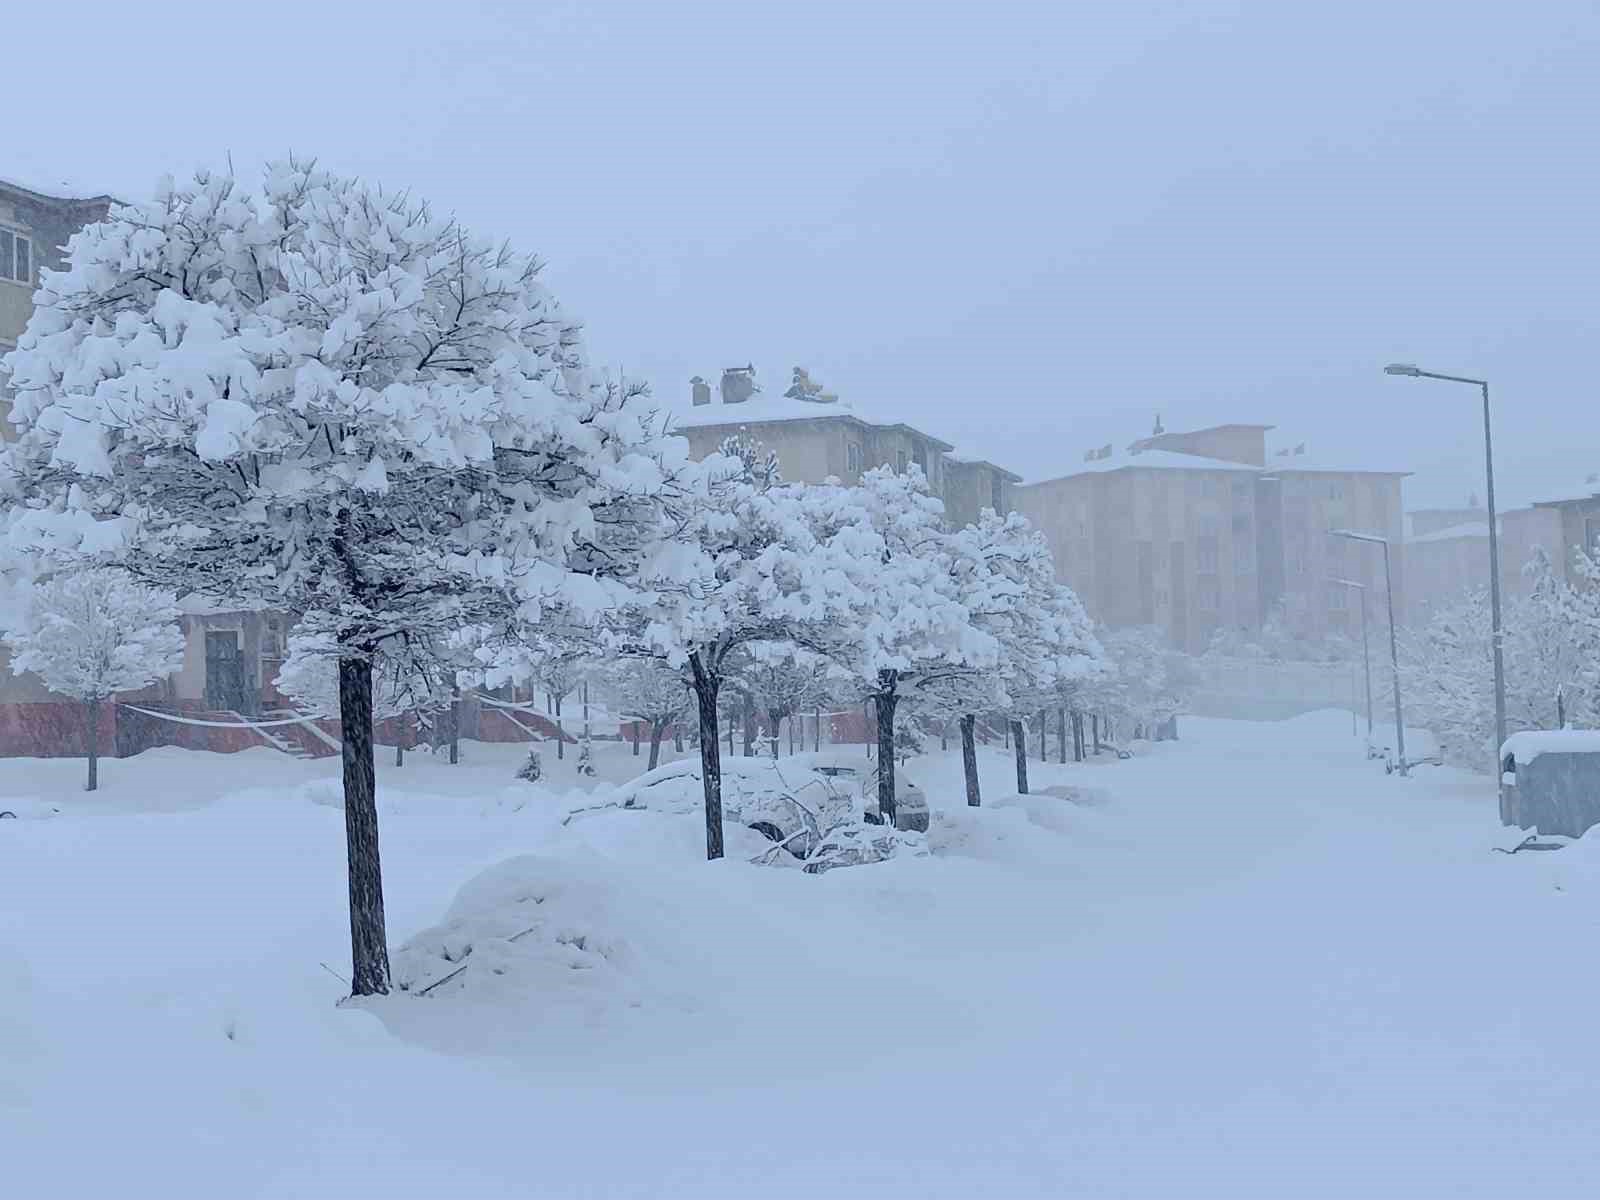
(1262,969)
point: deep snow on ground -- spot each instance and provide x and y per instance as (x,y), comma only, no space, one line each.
(1259,968)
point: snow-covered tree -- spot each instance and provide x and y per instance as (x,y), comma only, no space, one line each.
(1006,580)
(781,681)
(1550,641)
(93,633)
(1148,681)
(756,571)
(909,628)
(322,398)
(410,677)
(647,691)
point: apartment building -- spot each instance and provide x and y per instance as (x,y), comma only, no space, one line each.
(1198,531)
(1446,558)
(817,436)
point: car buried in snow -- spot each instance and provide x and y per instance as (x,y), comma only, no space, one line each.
(793,801)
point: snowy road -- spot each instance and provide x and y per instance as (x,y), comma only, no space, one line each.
(1265,969)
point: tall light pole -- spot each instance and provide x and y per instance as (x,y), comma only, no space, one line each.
(1366,654)
(1494,557)
(1394,645)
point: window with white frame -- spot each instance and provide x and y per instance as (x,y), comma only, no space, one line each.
(16,256)
(852,457)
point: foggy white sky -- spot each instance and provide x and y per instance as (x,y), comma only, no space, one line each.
(1027,226)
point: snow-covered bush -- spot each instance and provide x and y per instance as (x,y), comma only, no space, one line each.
(318,397)
(90,634)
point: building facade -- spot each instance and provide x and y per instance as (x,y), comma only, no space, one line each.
(1196,532)
(817,437)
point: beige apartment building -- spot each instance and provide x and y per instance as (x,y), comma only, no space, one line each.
(1448,553)
(816,436)
(1198,531)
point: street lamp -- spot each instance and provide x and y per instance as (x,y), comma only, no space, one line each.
(1494,555)
(1366,655)
(1394,646)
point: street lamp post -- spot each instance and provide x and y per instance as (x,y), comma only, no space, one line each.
(1394,645)
(1494,557)
(1366,654)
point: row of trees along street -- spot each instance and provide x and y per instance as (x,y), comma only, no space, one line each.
(318,398)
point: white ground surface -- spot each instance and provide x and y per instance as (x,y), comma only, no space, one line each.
(1261,969)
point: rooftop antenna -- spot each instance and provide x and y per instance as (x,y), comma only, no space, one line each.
(1159,429)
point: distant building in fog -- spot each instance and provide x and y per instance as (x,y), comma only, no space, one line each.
(817,436)
(1197,531)
(1447,557)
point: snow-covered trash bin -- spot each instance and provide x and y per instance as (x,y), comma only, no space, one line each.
(1552,780)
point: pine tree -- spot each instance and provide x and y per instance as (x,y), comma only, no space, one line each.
(321,398)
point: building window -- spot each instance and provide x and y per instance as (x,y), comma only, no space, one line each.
(852,457)
(1336,490)
(1591,536)
(1208,596)
(1205,555)
(1244,559)
(900,461)
(997,494)
(1241,493)
(1337,598)
(16,257)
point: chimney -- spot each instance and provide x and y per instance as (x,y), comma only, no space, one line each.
(700,390)
(738,384)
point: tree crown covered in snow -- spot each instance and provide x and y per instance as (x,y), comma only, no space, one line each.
(91,634)
(323,397)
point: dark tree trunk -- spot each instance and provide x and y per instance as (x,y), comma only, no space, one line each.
(1094,722)
(657,728)
(91,743)
(884,702)
(705,693)
(677,735)
(969,759)
(1020,744)
(1061,730)
(944,735)
(791,733)
(816,731)
(1044,732)
(775,719)
(560,740)
(369,949)
(635,731)
(749,727)
(455,726)
(399,752)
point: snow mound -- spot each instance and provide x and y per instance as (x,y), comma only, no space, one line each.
(531,926)
(534,952)
(1018,831)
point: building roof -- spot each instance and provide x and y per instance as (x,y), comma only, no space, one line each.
(963,460)
(1576,493)
(1151,460)
(60,192)
(1472,529)
(769,410)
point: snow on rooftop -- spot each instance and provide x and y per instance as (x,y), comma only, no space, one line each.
(54,185)
(760,410)
(1471,529)
(1528,745)
(1159,460)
